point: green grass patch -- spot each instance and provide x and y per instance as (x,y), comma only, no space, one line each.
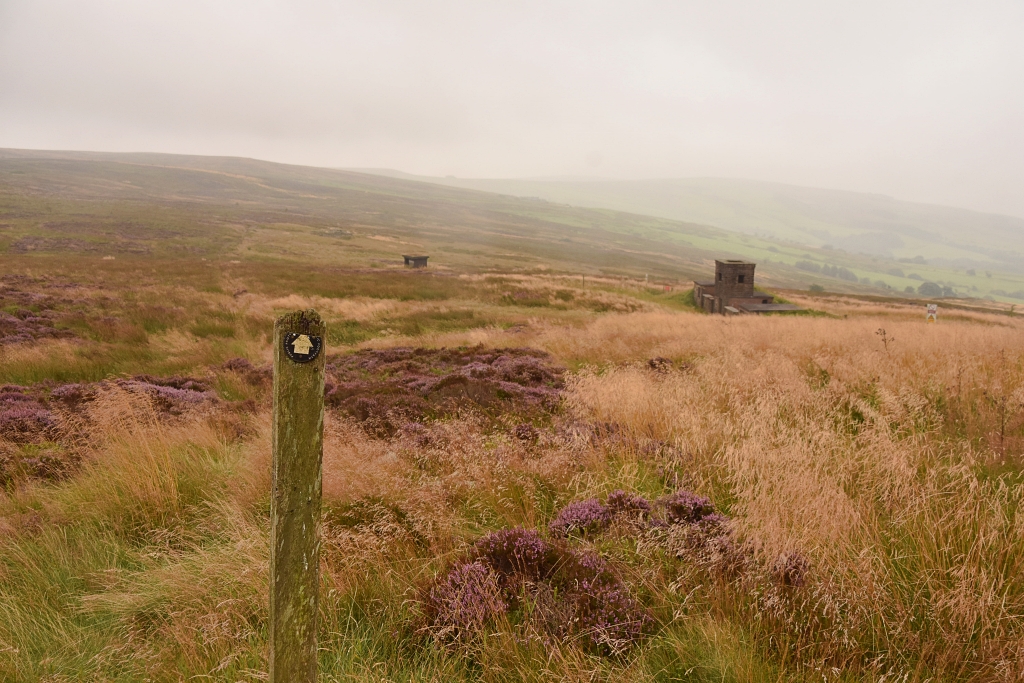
(213,329)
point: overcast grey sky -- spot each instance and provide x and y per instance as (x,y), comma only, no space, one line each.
(920,100)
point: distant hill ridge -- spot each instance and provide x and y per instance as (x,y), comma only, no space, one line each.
(853,221)
(59,204)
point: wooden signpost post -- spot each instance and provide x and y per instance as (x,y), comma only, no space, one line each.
(298,441)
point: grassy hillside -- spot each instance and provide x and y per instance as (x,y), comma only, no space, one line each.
(845,228)
(181,207)
(93,205)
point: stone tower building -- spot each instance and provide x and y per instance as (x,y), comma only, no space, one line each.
(732,291)
(734,280)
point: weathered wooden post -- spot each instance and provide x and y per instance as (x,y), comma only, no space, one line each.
(298,440)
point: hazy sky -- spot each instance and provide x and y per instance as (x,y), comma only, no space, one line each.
(920,100)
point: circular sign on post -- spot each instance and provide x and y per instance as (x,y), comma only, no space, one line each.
(302,348)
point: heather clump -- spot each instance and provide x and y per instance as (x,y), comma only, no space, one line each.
(27,315)
(49,463)
(518,553)
(587,603)
(710,544)
(44,429)
(73,396)
(416,433)
(384,388)
(174,382)
(685,507)
(465,600)
(541,586)
(694,531)
(172,395)
(590,516)
(23,421)
(238,364)
(250,374)
(581,517)
(620,502)
(23,417)
(27,431)
(28,413)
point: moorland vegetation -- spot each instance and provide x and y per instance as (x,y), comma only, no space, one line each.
(526,476)
(755,499)
(69,203)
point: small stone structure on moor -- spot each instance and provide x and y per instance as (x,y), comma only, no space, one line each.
(732,291)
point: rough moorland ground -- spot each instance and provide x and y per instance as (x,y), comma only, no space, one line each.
(145,206)
(527,476)
(551,494)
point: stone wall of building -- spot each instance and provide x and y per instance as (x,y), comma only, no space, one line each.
(734,280)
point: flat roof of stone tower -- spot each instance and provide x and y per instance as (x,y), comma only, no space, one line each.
(745,263)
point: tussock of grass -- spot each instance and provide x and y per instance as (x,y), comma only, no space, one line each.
(140,494)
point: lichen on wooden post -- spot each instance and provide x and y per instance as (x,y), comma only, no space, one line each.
(298,433)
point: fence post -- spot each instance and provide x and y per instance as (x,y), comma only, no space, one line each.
(298,439)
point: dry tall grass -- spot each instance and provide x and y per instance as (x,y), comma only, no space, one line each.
(893,467)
